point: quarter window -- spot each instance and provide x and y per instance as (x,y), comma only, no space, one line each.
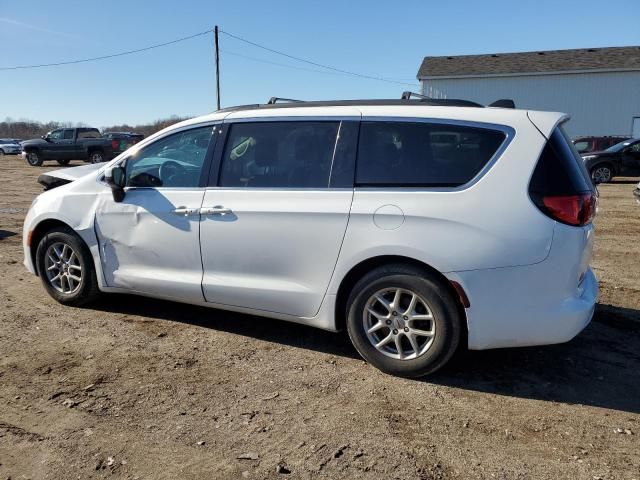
(173,161)
(279,154)
(423,154)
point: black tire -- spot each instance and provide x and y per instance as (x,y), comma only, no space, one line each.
(1,153)
(603,171)
(441,303)
(33,158)
(63,162)
(96,156)
(87,290)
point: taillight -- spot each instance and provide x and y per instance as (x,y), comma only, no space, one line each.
(114,144)
(574,210)
(560,185)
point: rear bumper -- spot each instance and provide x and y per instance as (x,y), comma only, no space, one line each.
(514,307)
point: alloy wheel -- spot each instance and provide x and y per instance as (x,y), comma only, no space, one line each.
(601,174)
(399,323)
(63,269)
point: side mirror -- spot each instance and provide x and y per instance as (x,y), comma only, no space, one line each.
(45,138)
(116,178)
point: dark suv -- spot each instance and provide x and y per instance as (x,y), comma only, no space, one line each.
(596,144)
(622,159)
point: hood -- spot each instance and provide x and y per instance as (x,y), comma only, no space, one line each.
(598,153)
(33,142)
(63,176)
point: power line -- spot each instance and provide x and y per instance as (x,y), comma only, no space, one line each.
(261,60)
(104,57)
(347,72)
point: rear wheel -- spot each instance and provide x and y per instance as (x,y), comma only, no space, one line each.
(33,158)
(96,157)
(1,153)
(63,161)
(403,320)
(601,174)
(66,268)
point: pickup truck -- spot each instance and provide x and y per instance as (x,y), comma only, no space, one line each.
(66,144)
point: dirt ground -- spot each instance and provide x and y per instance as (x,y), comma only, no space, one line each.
(138,388)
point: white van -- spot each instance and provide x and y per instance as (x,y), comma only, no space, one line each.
(414,224)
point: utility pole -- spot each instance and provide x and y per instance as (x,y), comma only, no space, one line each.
(215,35)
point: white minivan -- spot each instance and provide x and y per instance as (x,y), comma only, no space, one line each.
(417,225)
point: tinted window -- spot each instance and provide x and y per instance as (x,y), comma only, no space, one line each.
(89,134)
(423,154)
(55,135)
(68,135)
(560,170)
(279,154)
(173,161)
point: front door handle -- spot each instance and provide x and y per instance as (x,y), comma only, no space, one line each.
(217,210)
(185,211)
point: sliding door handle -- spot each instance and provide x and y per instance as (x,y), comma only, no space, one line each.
(217,210)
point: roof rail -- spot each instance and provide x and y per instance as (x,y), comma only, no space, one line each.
(274,100)
(406,95)
(503,103)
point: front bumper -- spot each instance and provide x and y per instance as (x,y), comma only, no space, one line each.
(11,151)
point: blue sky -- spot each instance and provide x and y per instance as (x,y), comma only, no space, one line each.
(385,39)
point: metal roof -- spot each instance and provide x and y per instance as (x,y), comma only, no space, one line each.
(548,61)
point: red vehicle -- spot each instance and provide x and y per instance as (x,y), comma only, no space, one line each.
(597,144)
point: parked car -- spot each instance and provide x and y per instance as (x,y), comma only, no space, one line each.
(340,215)
(66,144)
(623,159)
(597,144)
(121,141)
(9,146)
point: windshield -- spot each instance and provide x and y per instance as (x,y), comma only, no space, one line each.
(619,146)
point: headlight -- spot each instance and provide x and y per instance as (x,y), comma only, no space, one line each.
(589,157)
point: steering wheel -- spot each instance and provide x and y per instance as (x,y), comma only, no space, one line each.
(170,170)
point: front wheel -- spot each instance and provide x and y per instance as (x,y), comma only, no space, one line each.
(34,159)
(66,268)
(601,174)
(403,320)
(96,157)
(63,162)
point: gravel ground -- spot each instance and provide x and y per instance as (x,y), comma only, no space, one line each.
(137,388)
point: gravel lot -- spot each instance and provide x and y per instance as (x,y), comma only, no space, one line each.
(138,388)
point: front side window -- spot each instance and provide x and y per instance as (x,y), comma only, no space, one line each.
(279,154)
(55,135)
(68,134)
(172,161)
(423,154)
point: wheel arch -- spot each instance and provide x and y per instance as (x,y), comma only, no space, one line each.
(39,232)
(365,266)
(605,162)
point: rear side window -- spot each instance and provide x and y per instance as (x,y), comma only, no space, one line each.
(68,135)
(88,134)
(279,154)
(423,154)
(560,170)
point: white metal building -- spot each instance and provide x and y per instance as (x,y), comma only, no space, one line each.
(598,87)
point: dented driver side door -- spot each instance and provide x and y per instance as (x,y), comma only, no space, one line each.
(150,242)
